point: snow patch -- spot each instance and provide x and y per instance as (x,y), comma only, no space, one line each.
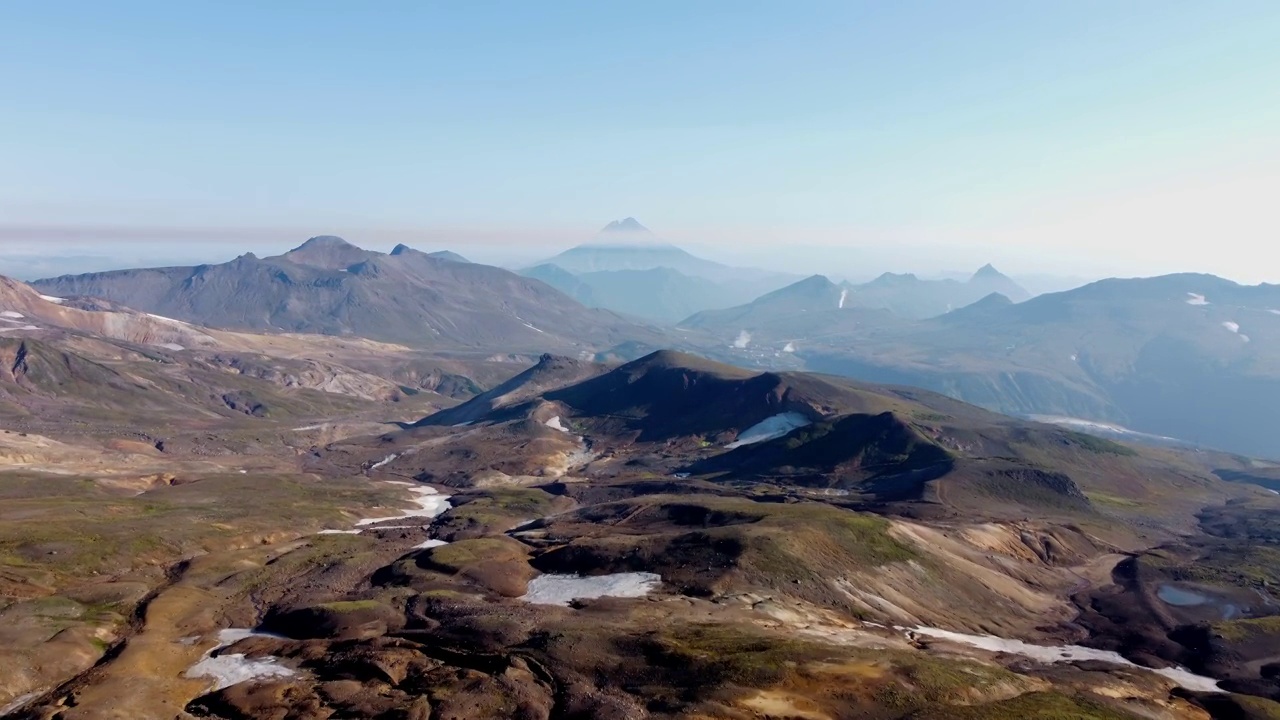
(844,294)
(1095,426)
(429,504)
(1067,653)
(428,544)
(52,299)
(1235,328)
(171,321)
(789,348)
(20,327)
(170,346)
(11,314)
(562,589)
(770,428)
(235,668)
(305,428)
(743,340)
(522,322)
(1196,299)
(464,424)
(555,424)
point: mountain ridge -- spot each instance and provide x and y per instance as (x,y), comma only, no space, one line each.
(332,287)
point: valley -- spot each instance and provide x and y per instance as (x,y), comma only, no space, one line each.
(279,517)
(667,537)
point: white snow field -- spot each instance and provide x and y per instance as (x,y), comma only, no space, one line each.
(1066,653)
(234,668)
(770,428)
(561,589)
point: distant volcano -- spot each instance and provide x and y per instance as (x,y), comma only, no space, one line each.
(625,226)
(627,232)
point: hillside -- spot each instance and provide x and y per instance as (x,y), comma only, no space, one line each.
(772,330)
(104,370)
(550,372)
(672,412)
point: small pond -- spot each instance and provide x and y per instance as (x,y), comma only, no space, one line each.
(1182,597)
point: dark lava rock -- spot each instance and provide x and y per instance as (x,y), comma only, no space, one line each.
(355,620)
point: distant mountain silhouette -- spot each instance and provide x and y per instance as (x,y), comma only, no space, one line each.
(625,226)
(564,281)
(659,294)
(911,297)
(630,270)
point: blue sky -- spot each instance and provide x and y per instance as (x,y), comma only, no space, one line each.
(1092,137)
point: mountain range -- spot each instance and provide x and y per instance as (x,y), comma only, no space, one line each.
(1192,357)
(905,296)
(329,286)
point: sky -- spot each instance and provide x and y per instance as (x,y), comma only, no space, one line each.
(1076,137)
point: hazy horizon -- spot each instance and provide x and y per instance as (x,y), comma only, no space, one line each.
(63,251)
(1074,139)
